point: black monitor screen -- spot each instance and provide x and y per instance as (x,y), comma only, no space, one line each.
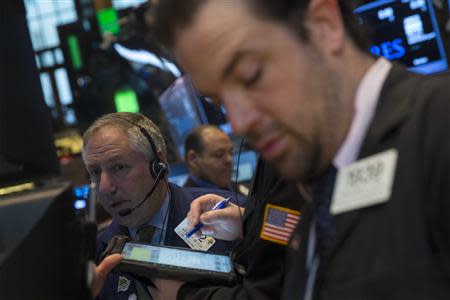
(43,248)
(405,30)
(27,151)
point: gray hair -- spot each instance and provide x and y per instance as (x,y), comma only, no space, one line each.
(130,123)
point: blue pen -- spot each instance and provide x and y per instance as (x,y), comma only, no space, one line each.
(219,205)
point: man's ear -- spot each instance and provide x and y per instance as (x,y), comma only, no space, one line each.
(162,156)
(191,158)
(324,23)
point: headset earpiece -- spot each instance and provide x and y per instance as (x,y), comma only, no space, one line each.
(158,167)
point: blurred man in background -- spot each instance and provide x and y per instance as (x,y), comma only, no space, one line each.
(209,157)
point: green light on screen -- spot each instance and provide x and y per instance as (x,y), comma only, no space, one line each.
(140,254)
(126,101)
(75,53)
(108,20)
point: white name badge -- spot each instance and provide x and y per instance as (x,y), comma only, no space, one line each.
(364,183)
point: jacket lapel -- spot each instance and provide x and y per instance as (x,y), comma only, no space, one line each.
(392,109)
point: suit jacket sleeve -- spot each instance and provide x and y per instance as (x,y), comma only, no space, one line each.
(437,165)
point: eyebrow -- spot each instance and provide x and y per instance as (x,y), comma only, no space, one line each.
(227,70)
(233,62)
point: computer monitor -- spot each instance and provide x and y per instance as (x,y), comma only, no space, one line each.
(182,110)
(43,248)
(407,31)
(27,150)
(81,193)
(247,165)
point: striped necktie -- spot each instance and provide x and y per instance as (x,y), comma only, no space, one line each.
(145,234)
(323,231)
(323,193)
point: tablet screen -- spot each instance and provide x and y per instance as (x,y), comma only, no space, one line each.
(177,257)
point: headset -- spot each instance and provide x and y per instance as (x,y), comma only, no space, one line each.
(158,168)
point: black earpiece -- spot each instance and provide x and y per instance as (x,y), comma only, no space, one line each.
(156,165)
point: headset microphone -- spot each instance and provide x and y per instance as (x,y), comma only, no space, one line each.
(126,211)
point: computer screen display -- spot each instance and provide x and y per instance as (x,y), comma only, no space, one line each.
(81,193)
(247,166)
(407,31)
(182,110)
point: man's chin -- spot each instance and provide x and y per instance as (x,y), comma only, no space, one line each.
(290,169)
(289,173)
(130,220)
(124,221)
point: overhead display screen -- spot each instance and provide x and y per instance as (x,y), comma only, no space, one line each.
(407,31)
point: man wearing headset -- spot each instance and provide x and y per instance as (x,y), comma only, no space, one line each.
(125,156)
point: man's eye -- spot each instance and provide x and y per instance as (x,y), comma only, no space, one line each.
(219,154)
(254,78)
(119,167)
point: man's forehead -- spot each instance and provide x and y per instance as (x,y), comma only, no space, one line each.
(217,139)
(206,46)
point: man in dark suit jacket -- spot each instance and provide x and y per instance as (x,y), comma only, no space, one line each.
(179,201)
(398,249)
(124,154)
(296,79)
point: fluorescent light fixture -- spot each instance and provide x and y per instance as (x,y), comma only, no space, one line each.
(75,52)
(145,57)
(126,100)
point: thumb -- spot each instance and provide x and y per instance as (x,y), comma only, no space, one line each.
(102,271)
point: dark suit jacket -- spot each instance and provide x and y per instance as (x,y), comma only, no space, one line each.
(399,249)
(191,182)
(179,206)
(261,262)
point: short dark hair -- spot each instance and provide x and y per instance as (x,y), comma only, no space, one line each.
(194,140)
(172,15)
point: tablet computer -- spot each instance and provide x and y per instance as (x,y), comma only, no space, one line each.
(151,261)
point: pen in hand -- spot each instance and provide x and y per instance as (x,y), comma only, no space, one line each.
(219,205)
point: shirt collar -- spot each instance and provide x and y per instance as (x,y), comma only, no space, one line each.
(366,100)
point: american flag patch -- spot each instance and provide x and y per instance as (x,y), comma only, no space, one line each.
(279,223)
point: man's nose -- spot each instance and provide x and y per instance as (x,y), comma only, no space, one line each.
(106,184)
(229,158)
(241,113)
